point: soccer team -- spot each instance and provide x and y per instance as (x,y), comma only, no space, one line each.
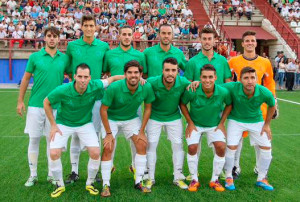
(94,111)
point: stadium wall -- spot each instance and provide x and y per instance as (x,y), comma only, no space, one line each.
(18,68)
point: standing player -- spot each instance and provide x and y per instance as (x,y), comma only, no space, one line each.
(47,68)
(168,89)
(76,101)
(114,62)
(119,113)
(208,56)
(206,105)
(155,55)
(246,115)
(91,51)
(264,73)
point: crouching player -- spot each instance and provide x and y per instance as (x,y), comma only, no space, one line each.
(206,105)
(119,113)
(246,115)
(76,101)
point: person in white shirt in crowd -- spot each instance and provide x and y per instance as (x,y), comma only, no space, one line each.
(29,36)
(17,36)
(285,10)
(11,6)
(290,74)
(6,19)
(3,34)
(291,16)
(21,26)
(3,25)
(62,37)
(281,71)
(11,28)
(186,12)
(235,4)
(78,14)
(16,13)
(43,14)
(249,10)
(27,8)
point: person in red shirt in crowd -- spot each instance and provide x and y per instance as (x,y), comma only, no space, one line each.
(131,21)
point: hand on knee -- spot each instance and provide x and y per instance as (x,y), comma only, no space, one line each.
(54,154)
(141,147)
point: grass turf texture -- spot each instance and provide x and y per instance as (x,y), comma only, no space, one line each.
(283,175)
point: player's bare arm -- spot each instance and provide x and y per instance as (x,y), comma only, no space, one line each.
(225,114)
(109,139)
(115,78)
(191,126)
(266,128)
(23,88)
(49,113)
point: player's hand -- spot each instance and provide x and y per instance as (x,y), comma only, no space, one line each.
(194,85)
(54,130)
(266,129)
(276,113)
(142,136)
(189,129)
(21,108)
(108,141)
(222,128)
(143,81)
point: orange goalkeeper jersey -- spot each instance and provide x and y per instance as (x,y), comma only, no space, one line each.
(262,66)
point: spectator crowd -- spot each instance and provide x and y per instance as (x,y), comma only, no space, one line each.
(25,20)
(288,9)
(234,8)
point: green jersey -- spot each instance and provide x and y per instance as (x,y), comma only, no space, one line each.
(155,57)
(193,67)
(123,105)
(48,73)
(115,60)
(166,104)
(75,109)
(247,110)
(204,111)
(92,54)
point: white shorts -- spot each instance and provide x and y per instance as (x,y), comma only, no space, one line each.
(37,123)
(96,116)
(86,133)
(212,136)
(129,128)
(235,131)
(173,129)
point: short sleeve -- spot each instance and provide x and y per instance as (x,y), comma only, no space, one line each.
(188,73)
(227,97)
(30,67)
(269,98)
(227,72)
(150,97)
(186,97)
(108,96)
(56,95)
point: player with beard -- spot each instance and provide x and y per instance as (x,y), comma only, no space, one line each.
(119,113)
(168,89)
(207,56)
(47,67)
(265,77)
(246,115)
(91,51)
(114,62)
(155,55)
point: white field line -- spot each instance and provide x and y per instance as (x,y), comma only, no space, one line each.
(297,103)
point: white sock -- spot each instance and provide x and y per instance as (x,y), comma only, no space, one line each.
(264,162)
(56,169)
(199,148)
(238,154)
(257,151)
(151,159)
(105,171)
(193,166)
(48,156)
(178,158)
(133,152)
(218,164)
(140,164)
(93,167)
(229,162)
(33,154)
(75,153)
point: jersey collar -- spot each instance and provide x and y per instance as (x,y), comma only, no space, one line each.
(43,51)
(82,42)
(171,50)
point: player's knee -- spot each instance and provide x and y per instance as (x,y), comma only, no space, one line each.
(54,154)
(141,147)
(220,148)
(94,153)
(193,149)
(264,148)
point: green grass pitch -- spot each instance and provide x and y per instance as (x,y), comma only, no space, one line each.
(284,173)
